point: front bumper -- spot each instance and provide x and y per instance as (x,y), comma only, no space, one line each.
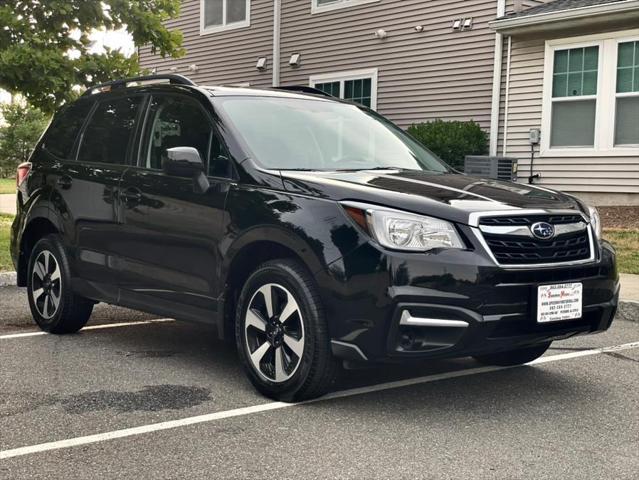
(371,289)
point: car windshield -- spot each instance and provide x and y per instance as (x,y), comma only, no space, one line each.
(309,134)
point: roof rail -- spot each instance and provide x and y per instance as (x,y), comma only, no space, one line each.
(304,89)
(123,83)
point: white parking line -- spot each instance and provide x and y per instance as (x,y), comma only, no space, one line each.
(156,427)
(92,327)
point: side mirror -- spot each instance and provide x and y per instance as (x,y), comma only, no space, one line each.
(186,162)
(183,162)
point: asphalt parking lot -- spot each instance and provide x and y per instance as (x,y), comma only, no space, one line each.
(167,400)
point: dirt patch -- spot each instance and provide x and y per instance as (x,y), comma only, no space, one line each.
(620,217)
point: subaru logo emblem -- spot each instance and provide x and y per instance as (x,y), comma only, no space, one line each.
(543,230)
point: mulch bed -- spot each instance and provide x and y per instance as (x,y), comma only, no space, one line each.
(619,217)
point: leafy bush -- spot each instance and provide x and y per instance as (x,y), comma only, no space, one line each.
(452,141)
(21,130)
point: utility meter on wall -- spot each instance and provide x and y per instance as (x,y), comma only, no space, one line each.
(534,136)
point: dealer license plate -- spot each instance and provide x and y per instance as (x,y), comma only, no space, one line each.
(559,302)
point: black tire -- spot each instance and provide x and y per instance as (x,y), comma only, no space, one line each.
(70,312)
(513,357)
(315,370)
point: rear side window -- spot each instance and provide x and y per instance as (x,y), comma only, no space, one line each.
(110,130)
(175,121)
(61,135)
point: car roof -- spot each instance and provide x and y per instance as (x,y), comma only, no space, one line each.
(173,81)
(212,91)
(224,91)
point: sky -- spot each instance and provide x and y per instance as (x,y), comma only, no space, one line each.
(113,39)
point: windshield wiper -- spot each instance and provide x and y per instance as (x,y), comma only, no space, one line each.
(371,168)
(298,169)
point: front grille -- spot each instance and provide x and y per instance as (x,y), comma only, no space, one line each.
(520,250)
(530,219)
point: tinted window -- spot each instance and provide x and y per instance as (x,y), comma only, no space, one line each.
(181,122)
(288,134)
(110,129)
(64,129)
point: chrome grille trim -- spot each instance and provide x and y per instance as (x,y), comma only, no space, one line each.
(524,231)
(475,217)
(474,222)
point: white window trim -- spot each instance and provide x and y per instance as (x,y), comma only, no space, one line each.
(317,8)
(614,95)
(204,30)
(341,77)
(606,95)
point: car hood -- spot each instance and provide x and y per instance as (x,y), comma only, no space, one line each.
(450,196)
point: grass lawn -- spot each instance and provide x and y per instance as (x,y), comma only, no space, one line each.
(7,185)
(5,257)
(627,244)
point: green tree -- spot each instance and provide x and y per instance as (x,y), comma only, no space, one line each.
(45,46)
(21,130)
(452,141)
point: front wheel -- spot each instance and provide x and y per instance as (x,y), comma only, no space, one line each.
(54,306)
(513,357)
(281,333)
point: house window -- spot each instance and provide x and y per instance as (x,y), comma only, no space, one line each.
(218,15)
(627,94)
(359,86)
(318,6)
(591,95)
(574,97)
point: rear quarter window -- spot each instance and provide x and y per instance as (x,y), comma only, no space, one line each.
(110,130)
(64,129)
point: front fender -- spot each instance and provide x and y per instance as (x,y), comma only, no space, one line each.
(315,229)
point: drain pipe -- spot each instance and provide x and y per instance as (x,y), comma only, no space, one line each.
(494,111)
(277,23)
(507,98)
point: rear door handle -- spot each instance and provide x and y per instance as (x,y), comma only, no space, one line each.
(65,182)
(131,196)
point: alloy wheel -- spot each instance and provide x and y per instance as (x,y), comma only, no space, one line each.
(274,333)
(46,284)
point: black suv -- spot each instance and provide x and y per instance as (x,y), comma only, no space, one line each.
(312,230)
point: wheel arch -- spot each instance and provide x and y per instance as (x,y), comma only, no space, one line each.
(253,249)
(36,228)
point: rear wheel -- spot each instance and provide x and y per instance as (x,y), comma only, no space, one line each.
(281,333)
(513,357)
(54,307)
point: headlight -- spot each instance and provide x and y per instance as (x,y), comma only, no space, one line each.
(404,231)
(595,222)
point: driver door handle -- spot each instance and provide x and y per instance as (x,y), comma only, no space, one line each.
(65,182)
(131,196)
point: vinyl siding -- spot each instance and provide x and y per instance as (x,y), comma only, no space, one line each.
(437,73)
(226,57)
(610,174)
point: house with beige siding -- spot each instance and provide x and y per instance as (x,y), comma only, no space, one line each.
(571,69)
(491,61)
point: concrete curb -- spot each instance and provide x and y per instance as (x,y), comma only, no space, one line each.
(8,279)
(628,309)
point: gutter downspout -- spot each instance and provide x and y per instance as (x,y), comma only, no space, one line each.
(507,99)
(277,23)
(494,112)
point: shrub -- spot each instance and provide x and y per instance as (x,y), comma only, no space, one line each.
(22,128)
(452,141)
